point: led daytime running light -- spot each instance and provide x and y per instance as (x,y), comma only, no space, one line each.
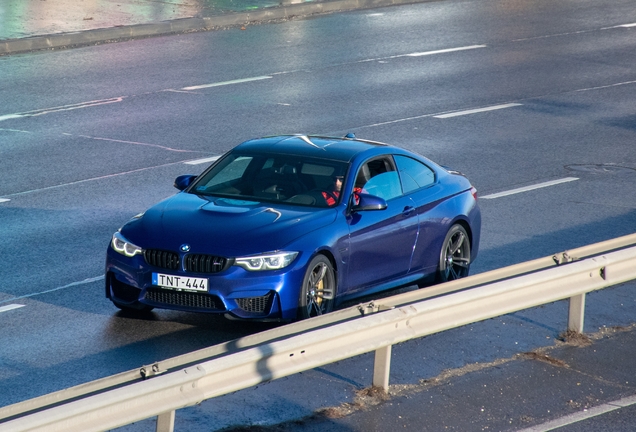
(123,246)
(274,261)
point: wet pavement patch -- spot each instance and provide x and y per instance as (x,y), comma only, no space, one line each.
(600,169)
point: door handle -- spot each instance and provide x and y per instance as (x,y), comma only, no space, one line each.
(408,210)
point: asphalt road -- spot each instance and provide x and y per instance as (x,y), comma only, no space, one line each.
(91,136)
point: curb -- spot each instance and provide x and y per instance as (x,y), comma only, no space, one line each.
(112,34)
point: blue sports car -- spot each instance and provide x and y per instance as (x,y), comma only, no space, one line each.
(287,227)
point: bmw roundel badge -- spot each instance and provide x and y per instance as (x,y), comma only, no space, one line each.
(185,248)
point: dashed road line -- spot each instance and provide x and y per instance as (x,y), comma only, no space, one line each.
(72,284)
(444,51)
(420,54)
(606,86)
(10,116)
(70,107)
(10,307)
(529,188)
(202,161)
(191,162)
(136,143)
(583,415)
(223,83)
(92,179)
(476,110)
(15,130)
(620,26)
(204,86)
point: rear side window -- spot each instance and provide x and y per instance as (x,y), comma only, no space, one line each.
(413,173)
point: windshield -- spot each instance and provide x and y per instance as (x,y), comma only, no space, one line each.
(274,178)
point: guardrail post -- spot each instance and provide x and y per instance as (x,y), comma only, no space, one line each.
(576,313)
(165,422)
(382,367)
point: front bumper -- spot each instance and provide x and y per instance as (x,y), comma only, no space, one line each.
(267,295)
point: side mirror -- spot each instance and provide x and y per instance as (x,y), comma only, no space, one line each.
(183,181)
(369,202)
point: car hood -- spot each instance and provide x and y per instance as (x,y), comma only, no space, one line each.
(223,226)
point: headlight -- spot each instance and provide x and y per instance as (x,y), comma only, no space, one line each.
(273,261)
(123,246)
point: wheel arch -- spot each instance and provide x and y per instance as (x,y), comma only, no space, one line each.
(332,259)
(328,259)
(464,223)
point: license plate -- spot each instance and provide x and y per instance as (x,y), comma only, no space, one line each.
(179,282)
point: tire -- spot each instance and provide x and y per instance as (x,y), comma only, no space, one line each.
(133,308)
(318,291)
(454,258)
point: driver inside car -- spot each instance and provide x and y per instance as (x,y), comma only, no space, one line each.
(331,197)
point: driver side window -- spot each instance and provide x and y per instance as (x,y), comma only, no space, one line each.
(380,178)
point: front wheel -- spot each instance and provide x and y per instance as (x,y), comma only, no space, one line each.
(454,260)
(319,288)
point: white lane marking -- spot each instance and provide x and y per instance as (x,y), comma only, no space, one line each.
(606,86)
(237,81)
(574,33)
(178,91)
(72,284)
(10,307)
(203,86)
(15,130)
(554,35)
(4,200)
(10,116)
(529,188)
(476,110)
(202,161)
(419,54)
(136,143)
(583,415)
(93,179)
(393,121)
(447,114)
(444,51)
(80,105)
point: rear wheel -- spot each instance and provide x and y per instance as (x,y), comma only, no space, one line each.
(454,260)
(319,288)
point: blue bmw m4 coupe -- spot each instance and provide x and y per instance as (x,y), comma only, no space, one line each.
(287,227)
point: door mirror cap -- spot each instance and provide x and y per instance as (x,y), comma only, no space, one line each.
(368,202)
(183,181)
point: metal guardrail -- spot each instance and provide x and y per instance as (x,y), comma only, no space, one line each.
(280,352)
